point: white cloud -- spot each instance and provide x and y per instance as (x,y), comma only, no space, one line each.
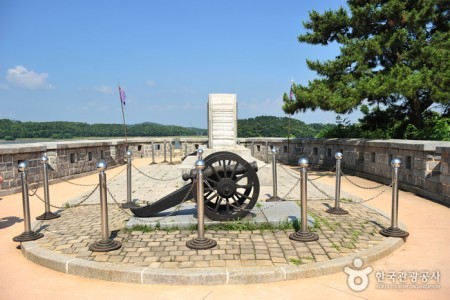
(151,83)
(104,89)
(27,79)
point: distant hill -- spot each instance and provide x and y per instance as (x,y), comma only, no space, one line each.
(263,126)
(269,126)
(11,130)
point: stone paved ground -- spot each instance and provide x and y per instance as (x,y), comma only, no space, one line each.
(339,235)
(152,182)
(79,226)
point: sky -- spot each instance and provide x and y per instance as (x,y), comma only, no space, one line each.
(64,60)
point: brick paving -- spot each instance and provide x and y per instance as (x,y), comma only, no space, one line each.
(339,235)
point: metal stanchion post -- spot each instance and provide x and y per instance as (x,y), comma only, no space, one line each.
(47,215)
(165,152)
(105,244)
(336,210)
(274,177)
(394,231)
(28,234)
(253,149)
(303,235)
(153,154)
(201,242)
(170,154)
(129,203)
(199,154)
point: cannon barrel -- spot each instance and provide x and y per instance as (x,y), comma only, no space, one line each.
(227,195)
(208,171)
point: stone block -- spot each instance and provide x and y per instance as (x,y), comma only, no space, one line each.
(105,271)
(255,275)
(210,276)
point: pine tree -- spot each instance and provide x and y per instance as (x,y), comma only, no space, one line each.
(394,61)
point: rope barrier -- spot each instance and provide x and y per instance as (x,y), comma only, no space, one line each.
(362,187)
(379,194)
(77,184)
(252,210)
(159,179)
(81,184)
(84,199)
(289,172)
(172,213)
(321,191)
(265,165)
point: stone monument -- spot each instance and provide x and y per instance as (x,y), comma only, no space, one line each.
(222,135)
(222,121)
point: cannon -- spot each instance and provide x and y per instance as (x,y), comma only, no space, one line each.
(231,189)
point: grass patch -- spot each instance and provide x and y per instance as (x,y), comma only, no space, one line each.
(346,200)
(348,245)
(296,261)
(228,226)
(300,260)
(355,235)
(319,221)
(336,246)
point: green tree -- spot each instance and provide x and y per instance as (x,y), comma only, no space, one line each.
(394,63)
(270,126)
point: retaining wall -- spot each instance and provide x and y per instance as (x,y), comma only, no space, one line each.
(424,170)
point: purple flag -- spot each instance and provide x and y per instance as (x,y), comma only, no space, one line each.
(122,95)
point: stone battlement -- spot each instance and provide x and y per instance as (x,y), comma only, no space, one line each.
(424,170)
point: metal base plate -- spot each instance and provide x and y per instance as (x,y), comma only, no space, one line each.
(337,211)
(48,215)
(274,199)
(129,205)
(201,243)
(27,236)
(304,236)
(394,232)
(105,246)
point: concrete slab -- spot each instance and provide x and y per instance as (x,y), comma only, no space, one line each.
(278,212)
(185,216)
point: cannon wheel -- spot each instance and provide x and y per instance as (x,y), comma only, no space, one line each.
(229,195)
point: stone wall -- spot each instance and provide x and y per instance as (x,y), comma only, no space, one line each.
(445,173)
(424,170)
(72,159)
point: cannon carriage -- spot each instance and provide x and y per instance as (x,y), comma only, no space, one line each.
(231,189)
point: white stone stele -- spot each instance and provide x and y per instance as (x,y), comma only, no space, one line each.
(222,121)
(222,136)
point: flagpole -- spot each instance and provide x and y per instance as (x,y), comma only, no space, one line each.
(123,118)
(289,121)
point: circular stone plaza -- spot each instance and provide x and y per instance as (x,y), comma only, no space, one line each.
(254,257)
